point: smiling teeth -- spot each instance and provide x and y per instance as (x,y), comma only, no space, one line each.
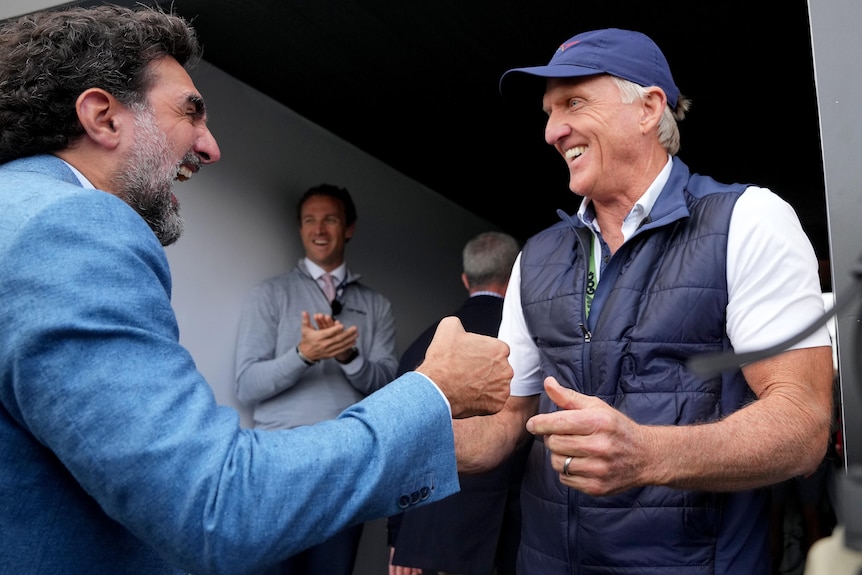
(575,152)
(184,173)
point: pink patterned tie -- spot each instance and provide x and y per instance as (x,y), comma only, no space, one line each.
(328,286)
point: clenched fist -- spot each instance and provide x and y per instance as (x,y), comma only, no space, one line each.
(472,370)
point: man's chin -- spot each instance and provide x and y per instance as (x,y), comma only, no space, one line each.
(169,240)
(170,229)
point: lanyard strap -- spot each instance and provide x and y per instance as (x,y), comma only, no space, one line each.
(591,281)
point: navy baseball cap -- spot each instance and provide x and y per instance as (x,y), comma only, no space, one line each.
(628,55)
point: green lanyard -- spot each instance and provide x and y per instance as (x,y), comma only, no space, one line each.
(591,282)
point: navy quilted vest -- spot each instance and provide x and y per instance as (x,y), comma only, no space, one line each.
(661,299)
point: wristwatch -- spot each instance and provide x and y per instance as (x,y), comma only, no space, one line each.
(354,353)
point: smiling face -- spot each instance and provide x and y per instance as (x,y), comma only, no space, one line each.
(324,231)
(171,143)
(601,139)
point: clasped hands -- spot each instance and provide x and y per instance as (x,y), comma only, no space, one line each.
(609,452)
(326,337)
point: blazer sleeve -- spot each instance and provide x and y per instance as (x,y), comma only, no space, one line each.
(103,384)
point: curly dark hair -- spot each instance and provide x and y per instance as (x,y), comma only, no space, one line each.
(47,59)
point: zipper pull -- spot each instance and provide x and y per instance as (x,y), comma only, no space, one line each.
(587,335)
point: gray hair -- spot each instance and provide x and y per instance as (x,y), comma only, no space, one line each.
(668,131)
(488,258)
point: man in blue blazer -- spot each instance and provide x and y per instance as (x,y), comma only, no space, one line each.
(114,456)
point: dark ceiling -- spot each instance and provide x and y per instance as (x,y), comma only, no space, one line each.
(415,85)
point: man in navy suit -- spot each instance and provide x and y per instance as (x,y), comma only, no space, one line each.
(476,531)
(114,455)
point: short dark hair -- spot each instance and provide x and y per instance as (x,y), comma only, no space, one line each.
(340,194)
(48,58)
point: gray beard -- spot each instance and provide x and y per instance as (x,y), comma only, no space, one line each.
(146,177)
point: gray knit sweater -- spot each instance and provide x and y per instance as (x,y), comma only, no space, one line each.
(280,387)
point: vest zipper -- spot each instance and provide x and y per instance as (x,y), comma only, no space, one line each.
(587,335)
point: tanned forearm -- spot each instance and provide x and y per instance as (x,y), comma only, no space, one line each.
(783,434)
(484,442)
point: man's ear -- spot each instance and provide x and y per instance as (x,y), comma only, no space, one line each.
(653,106)
(102,116)
(349,231)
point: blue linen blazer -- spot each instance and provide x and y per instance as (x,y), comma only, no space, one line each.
(114,455)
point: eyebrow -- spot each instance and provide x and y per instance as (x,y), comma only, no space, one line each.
(198,102)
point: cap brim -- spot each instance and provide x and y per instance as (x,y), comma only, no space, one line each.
(519,84)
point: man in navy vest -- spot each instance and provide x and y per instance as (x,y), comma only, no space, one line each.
(641,464)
